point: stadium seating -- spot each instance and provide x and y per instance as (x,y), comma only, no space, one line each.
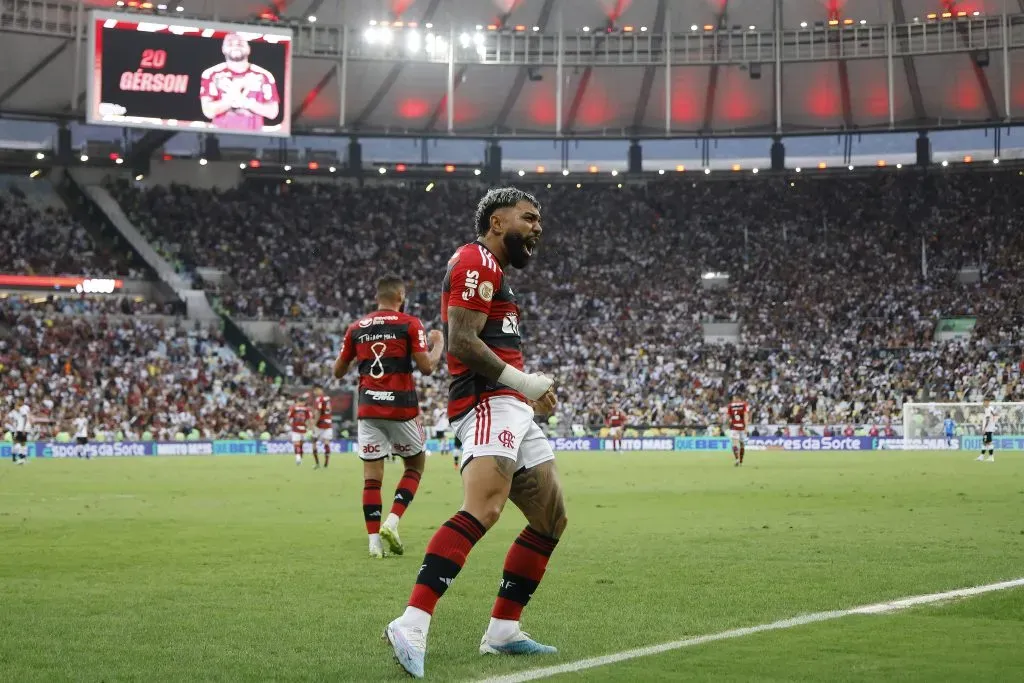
(837,321)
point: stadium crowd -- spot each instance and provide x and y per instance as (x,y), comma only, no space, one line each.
(838,284)
(129,377)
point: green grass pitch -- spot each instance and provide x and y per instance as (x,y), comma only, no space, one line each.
(251,569)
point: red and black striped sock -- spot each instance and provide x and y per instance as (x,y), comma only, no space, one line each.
(405,491)
(371,505)
(742,450)
(446,553)
(524,568)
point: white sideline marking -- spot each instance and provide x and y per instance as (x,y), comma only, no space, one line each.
(878,608)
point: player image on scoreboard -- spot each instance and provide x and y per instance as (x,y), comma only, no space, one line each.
(236,94)
(176,74)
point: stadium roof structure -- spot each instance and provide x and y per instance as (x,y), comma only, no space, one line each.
(589,68)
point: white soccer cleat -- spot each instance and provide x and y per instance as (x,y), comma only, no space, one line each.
(519,644)
(390,535)
(376,550)
(410,646)
(991,458)
(981,458)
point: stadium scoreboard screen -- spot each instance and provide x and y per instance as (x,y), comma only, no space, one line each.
(179,74)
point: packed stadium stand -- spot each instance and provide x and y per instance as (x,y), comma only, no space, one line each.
(837,302)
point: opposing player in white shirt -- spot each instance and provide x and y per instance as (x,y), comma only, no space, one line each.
(988,428)
(18,421)
(82,435)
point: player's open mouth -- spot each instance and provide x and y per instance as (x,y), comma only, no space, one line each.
(530,246)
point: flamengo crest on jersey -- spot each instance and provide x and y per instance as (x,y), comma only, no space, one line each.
(383,342)
(475,281)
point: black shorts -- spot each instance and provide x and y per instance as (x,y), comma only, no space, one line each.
(20,437)
(81,440)
(986,439)
(439,435)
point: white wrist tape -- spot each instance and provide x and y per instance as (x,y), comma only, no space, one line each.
(531,386)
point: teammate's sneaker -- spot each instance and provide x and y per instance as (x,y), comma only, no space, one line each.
(519,644)
(410,646)
(390,536)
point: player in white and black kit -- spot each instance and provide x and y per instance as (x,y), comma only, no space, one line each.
(988,428)
(441,432)
(82,435)
(18,421)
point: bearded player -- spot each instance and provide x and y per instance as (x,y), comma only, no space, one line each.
(235,94)
(387,343)
(324,425)
(491,405)
(736,414)
(299,415)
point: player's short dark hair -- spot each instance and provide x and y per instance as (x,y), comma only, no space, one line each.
(389,286)
(499,198)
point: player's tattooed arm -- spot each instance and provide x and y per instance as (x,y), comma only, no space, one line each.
(537,492)
(464,327)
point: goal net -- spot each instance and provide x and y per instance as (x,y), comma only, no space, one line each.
(924,423)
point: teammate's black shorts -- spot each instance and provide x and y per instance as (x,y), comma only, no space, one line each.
(20,437)
(438,435)
(81,440)
(986,440)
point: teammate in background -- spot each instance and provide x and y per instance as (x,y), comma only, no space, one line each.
(235,94)
(988,428)
(324,425)
(82,435)
(737,416)
(299,415)
(18,421)
(615,422)
(386,344)
(949,427)
(491,404)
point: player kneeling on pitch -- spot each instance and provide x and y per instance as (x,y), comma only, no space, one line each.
(387,343)
(491,405)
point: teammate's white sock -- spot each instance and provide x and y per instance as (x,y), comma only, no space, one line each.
(392,520)
(501,630)
(415,617)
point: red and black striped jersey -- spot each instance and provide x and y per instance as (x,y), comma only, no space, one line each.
(299,415)
(323,409)
(475,281)
(737,411)
(384,342)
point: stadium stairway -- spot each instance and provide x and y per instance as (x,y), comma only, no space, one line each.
(197,304)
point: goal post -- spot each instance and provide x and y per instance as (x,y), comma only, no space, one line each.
(924,423)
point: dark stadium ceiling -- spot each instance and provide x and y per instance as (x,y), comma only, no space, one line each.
(405,96)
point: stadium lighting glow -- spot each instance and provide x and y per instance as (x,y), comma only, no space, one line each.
(449,168)
(521,173)
(382,170)
(413,41)
(179,8)
(945,163)
(429,25)
(863,22)
(479,27)
(565,171)
(803,24)
(614,173)
(430,186)
(680,168)
(311,19)
(314,166)
(332,169)
(139,177)
(977,13)
(40,156)
(996,160)
(34,174)
(798,169)
(84,158)
(661,171)
(707,171)
(465,40)
(850,167)
(756,171)
(643,29)
(203,162)
(287,167)
(162,8)
(536,28)
(753,28)
(120,3)
(119,161)
(899,165)
(541,169)
(476,171)
(693,27)
(288,182)
(242,166)
(373,22)
(620,186)
(586,29)
(968,159)
(578,185)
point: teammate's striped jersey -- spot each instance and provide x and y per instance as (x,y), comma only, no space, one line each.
(991,419)
(737,412)
(323,410)
(384,342)
(299,415)
(475,281)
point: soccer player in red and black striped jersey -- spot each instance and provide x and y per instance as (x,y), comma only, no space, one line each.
(737,414)
(387,344)
(492,403)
